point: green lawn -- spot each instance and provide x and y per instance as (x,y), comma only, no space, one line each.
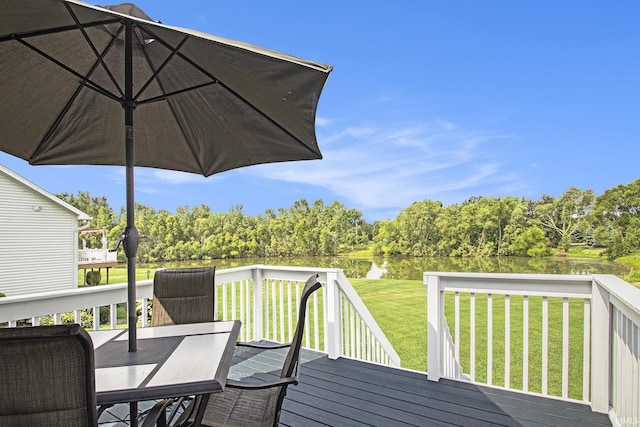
(399,307)
(634,261)
(119,274)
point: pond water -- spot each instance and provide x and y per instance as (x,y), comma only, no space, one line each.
(412,268)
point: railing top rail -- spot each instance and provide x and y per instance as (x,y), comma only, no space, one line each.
(552,285)
(271,272)
(298,269)
(621,293)
(513,276)
(44,303)
(12,299)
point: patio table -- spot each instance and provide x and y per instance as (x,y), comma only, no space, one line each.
(171,361)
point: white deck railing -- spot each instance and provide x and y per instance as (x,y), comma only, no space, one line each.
(95,256)
(264,298)
(578,336)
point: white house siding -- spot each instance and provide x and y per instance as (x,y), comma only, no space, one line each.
(38,240)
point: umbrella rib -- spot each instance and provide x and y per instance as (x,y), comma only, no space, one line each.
(88,83)
(218,81)
(93,47)
(176,92)
(166,95)
(54,125)
(66,108)
(55,30)
(160,68)
(264,115)
(174,52)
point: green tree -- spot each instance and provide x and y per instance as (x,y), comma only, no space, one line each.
(454,234)
(522,217)
(145,218)
(564,216)
(96,207)
(466,228)
(532,242)
(417,233)
(334,223)
(385,239)
(501,214)
(358,232)
(615,219)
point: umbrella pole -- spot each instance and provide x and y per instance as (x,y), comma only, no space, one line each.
(131,237)
(131,233)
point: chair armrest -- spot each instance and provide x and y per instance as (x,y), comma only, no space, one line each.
(103,408)
(261,385)
(157,415)
(265,345)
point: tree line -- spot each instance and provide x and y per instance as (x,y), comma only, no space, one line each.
(197,233)
(479,226)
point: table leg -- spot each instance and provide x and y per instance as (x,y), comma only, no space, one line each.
(202,401)
(133,414)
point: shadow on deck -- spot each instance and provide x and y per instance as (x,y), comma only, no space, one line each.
(347,392)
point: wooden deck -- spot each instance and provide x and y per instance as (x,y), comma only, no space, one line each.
(347,392)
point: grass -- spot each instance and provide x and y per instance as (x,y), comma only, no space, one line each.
(119,274)
(631,260)
(399,307)
(634,275)
(584,251)
(358,252)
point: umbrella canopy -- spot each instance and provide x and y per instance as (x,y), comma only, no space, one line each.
(87,85)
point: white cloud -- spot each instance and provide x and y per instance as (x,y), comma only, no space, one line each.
(158,181)
(386,169)
(323,121)
(161,176)
(380,169)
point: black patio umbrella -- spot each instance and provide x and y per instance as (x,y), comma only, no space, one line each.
(81,84)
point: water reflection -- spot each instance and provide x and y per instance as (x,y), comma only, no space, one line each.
(413,268)
(376,272)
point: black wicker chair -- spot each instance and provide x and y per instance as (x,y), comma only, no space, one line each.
(183,295)
(47,378)
(249,404)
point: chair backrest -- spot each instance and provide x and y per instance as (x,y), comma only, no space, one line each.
(183,295)
(254,406)
(291,362)
(290,366)
(47,377)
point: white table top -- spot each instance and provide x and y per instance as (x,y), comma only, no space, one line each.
(171,361)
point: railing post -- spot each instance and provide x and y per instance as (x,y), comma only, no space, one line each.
(333,327)
(257,304)
(435,313)
(600,349)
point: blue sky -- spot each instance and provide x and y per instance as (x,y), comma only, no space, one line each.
(438,100)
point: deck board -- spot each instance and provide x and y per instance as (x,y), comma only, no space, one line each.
(351,393)
(348,392)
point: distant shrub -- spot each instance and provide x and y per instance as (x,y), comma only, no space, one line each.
(93,278)
(86,319)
